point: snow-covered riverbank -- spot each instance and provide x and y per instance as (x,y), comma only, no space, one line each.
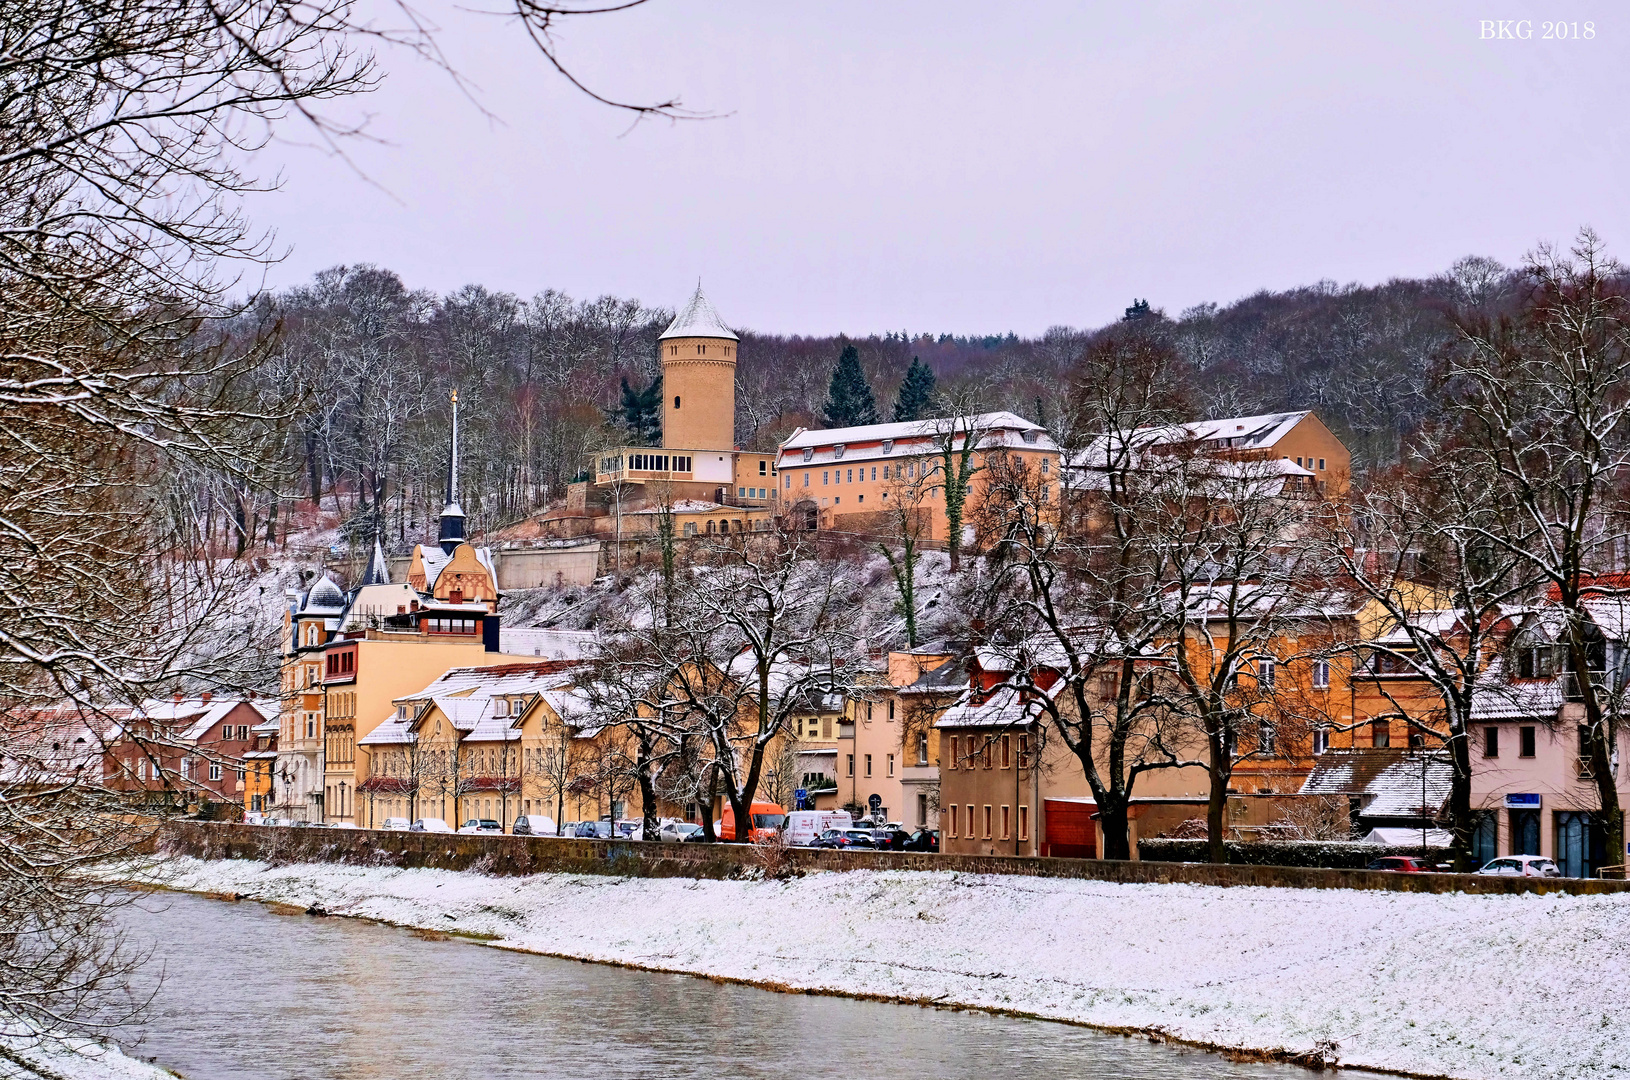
(82,1060)
(1454,985)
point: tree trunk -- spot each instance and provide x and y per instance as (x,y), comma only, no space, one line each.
(1114,824)
(648,786)
(708,833)
(1461,824)
(1220,773)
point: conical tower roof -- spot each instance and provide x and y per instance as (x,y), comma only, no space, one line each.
(378,572)
(698,319)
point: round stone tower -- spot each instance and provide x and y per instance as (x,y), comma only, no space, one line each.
(698,379)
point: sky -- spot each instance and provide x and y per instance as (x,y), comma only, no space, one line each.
(957,167)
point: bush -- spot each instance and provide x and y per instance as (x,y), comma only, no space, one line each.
(1329,854)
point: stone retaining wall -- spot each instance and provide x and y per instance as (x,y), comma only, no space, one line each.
(514,855)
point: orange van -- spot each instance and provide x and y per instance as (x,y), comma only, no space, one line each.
(767,821)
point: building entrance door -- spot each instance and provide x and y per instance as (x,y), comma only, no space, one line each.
(1484,845)
(1525,832)
(1578,843)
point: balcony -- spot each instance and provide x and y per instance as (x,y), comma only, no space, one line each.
(644,464)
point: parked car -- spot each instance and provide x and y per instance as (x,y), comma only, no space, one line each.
(1403,864)
(924,840)
(889,838)
(481,825)
(845,838)
(254,817)
(677,832)
(395,824)
(569,828)
(631,830)
(805,826)
(1521,866)
(430,824)
(534,825)
(594,830)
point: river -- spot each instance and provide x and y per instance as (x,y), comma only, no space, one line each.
(248,994)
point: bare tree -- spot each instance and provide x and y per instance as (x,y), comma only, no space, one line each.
(1541,400)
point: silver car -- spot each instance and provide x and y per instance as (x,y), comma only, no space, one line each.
(1521,866)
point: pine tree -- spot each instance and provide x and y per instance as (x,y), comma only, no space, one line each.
(641,413)
(916,392)
(849,400)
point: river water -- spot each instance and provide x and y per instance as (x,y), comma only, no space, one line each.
(247,993)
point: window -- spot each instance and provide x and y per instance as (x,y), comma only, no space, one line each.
(1525,737)
(851,764)
(141,769)
(764,468)
(868,764)
(956,749)
(1321,463)
(837,451)
(1005,812)
(1024,751)
(1264,738)
(690,528)
(1298,463)
(186,768)
(922,748)
(851,476)
(1491,742)
(922,811)
(891,764)
(311,728)
(824,477)
(1007,751)
(888,448)
(215,770)
(676,401)
(1380,734)
(1321,740)
(500,707)
(986,834)
(741,491)
(1024,823)
(806,479)
(1321,674)
(1264,673)
(951,824)
(989,752)
(874,472)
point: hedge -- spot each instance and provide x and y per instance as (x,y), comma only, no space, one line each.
(1329,854)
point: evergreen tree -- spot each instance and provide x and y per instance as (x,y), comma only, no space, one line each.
(1139,310)
(849,401)
(916,392)
(641,413)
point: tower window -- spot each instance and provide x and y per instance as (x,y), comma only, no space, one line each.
(676,401)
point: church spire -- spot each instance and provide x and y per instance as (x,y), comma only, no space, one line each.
(378,572)
(452,517)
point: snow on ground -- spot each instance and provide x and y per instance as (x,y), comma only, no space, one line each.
(1455,985)
(80,1060)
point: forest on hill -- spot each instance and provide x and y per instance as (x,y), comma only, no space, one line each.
(369,364)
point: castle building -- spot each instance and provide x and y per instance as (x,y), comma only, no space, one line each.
(698,472)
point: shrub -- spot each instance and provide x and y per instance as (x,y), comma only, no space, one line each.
(1330,854)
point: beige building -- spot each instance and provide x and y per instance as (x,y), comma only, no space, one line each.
(856,479)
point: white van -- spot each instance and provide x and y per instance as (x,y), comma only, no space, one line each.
(803,826)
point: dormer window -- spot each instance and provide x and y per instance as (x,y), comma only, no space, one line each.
(1030,436)
(500,706)
(809,453)
(837,451)
(888,446)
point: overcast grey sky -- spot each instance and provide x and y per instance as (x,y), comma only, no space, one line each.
(934,165)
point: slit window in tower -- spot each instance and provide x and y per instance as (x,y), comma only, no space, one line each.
(676,401)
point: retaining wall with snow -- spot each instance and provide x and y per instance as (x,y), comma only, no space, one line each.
(519,855)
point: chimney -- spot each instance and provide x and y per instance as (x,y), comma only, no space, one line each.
(178,697)
(206,696)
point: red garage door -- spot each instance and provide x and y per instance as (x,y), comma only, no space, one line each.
(1071,832)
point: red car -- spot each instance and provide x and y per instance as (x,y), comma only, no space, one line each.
(1403,864)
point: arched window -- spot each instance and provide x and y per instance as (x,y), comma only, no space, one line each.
(710,527)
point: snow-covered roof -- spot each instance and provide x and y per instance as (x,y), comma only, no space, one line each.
(947,677)
(697,319)
(545,643)
(1398,836)
(434,560)
(325,598)
(198,714)
(1254,432)
(378,571)
(996,430)
(1004,707)
(1500,698)
(1391,781)
(684,506)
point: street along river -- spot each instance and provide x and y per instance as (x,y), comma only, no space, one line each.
(248,993)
